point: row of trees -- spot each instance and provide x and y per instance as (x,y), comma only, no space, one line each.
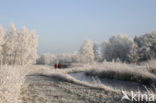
(18,47)
(84,55)
(48,58)
(146,46)
(125,49)
(119,47)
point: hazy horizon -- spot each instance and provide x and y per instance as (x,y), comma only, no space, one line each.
(63,26)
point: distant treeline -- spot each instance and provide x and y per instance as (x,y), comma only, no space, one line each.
(117,48)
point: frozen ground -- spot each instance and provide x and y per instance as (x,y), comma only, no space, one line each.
(41,87)
(44,89)
(117,84)
(46,85)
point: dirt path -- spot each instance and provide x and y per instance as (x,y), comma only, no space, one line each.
(40,89)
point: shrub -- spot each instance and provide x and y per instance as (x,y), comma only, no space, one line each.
(11,80)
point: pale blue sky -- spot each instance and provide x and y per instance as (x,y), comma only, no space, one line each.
(63,25)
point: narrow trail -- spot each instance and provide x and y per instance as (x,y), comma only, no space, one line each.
(43,90)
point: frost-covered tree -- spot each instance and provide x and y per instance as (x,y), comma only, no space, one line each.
(26,50)
(69,57)
(76,57)
(97,52)
(10,44)
(120,47)
(87,52)
(147,46)
(22,50)
(47,58)
(19,46)
(33,43)
(2,41)
(65,57)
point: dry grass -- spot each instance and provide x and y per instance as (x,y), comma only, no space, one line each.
(121,71)
(54,75)
(150,66)
(99,85)
(11,79)
(67,78)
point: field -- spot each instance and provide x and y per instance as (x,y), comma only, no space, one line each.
(96,83)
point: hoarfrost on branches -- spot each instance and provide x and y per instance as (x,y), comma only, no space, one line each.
(18,47)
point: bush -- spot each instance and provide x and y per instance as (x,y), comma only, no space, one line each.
(11,80)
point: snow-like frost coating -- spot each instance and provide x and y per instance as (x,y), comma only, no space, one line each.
(11,80)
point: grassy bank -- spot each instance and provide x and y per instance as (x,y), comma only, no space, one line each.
(120,71)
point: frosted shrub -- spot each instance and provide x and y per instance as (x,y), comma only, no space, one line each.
(11,79)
